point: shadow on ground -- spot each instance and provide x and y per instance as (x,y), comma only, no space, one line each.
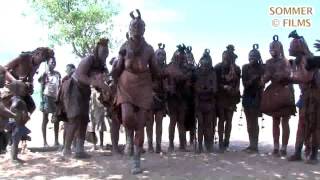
(233,164)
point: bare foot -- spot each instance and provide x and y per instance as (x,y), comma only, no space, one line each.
(183,149)
(276,153)
(150,150)
(295,157)
(283,152)
(312,161)
(66,153)
(17,161)
(128,151)
(116,151)
(158,149)
(170,149)
(82,155)
(136,170)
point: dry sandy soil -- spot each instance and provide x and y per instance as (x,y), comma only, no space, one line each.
(233,164)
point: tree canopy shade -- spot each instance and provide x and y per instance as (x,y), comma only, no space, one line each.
(79,23)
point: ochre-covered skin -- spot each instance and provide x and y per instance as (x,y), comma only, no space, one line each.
(277,70)
(26,65)
(251,79)
(308,128)
(158,110)
(228,95)
(133,74)
(205,89)
(175,86)
(17,128)
(5,113)
(76,90)
(188,94)
(24,68)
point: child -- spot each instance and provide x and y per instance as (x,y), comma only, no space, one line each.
(5,114)
(97,115)
(50,83)
(19,107)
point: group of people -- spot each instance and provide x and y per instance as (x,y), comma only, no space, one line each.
(142,88)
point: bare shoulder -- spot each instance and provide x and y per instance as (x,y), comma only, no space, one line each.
(57,73)
(123,46)
(87,61)
(245,67)
(149,48)
(238,68)
(212,72)
(218,66)
(269,61)
(18,103)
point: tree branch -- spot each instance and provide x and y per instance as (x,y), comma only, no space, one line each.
(76,51)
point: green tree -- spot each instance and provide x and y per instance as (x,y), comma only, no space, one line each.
(79,23)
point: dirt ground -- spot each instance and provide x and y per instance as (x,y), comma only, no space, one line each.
(233,164)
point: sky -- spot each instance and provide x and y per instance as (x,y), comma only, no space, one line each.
(201,24)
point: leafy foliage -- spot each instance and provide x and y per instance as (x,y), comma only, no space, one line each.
(79,23)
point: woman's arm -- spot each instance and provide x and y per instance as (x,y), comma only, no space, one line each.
(82,72)
(11,66)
